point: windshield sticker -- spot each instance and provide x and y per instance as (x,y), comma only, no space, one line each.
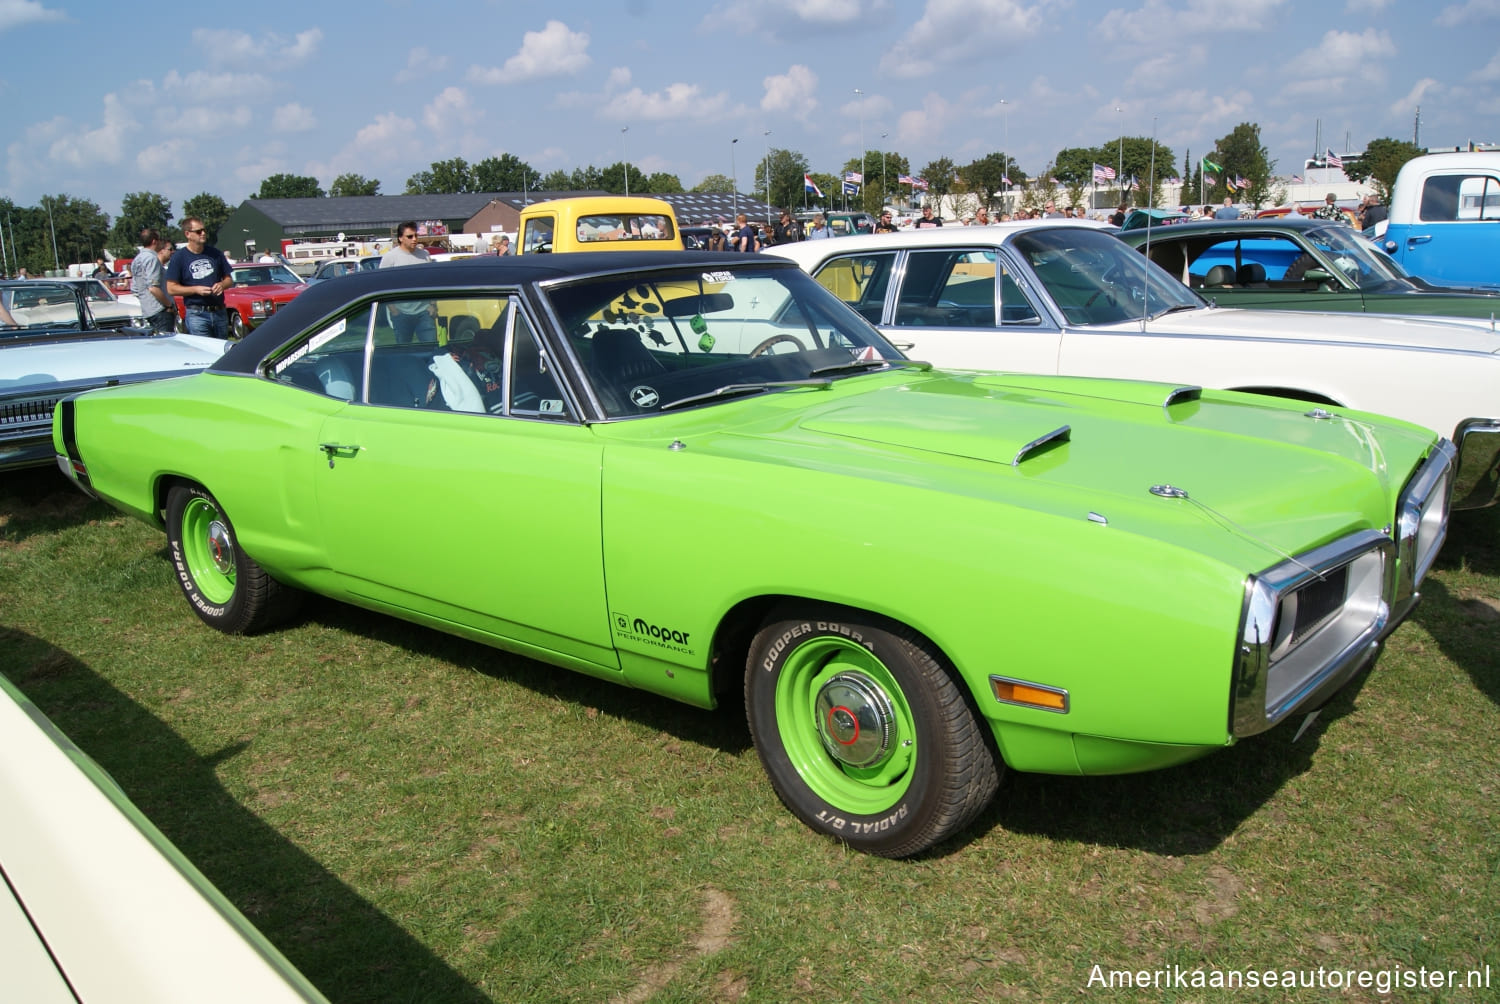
(718,277)
(644,397)
(869,353)
(321,338)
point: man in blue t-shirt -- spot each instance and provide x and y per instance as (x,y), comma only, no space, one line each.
(199,273)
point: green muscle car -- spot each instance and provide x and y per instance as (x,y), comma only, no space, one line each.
(695,473)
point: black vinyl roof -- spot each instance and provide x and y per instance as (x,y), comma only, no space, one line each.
(481,272)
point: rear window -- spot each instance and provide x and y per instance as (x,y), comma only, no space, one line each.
(1449,198)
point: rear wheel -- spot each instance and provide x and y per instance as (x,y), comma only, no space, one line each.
(863,731)
(237,326)
(223,584)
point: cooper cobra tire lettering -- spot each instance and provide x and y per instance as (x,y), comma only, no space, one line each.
(915,770)
(207,560)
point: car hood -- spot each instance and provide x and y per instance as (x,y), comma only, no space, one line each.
(1446,333)
(1086,449)
(272,288)
(91,358)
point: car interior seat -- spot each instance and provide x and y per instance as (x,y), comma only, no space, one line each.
(1220,276)
(1252,274)
(620,357)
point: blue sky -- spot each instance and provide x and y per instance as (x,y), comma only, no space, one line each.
(103,99)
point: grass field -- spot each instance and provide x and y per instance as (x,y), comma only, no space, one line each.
(413,818)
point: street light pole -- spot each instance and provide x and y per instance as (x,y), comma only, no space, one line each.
(1005,159)
(884,194)
(627,160)
(764,138)
(859,97)
(1120,174)
(734,181)
(56,262)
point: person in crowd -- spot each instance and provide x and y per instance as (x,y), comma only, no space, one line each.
(746,240)
(981,218)
(101,269)
(1118,216)
(21,273)
(716,239)
(1050,211)
(1226,211)
(820,229)
(787,230)
(1372,212)
(883,224)
(929,219)
(199,273)
(148,283)
(1079,213)
(1329,210)
(413,320)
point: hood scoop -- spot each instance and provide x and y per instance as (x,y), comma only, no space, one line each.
(1056,437)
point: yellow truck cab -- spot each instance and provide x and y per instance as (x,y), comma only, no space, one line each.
(599,223)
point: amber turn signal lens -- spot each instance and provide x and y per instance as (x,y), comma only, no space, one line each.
(1015,692)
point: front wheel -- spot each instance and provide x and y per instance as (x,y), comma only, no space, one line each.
(237,328)
(863,731)
(223,584)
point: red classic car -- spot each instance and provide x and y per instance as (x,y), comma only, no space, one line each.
(260,289)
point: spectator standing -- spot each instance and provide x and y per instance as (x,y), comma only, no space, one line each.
(101,270)
(199,273)
(21,273)
(1373,213)
(1329,210)
(148,283)
(1050,211)
(716,239)
(820,230)
(981,218)
(884,225)
(1118,216)
(928,220)
(413,320)
(1226,211)
(745,238)
(787,230)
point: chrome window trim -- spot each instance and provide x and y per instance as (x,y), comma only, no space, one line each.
(1365,552)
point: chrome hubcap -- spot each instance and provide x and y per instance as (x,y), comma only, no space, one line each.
(220,547)
(855,720)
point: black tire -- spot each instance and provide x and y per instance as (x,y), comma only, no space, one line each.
(223,584)
(863,731)
(237,327)
(1299,266)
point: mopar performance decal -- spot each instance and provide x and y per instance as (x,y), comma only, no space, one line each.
(643,632)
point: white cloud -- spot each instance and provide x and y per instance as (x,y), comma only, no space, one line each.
(204,120)
(1462,13)
(293,118)
(105,144)
(1153,73)
(554,51)
(928,127)
(674,102)
(1195,18)
(959,30)
(1340,59)
(421,62)
(201,87)
(450,111)
(15,13)
(1406,105)
(791,93)
(1366,6)
(789,18)
(227,45)
(1490,71)
(150,160)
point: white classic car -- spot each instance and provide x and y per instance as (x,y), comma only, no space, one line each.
(1052,297)
(52,344)
(96,904)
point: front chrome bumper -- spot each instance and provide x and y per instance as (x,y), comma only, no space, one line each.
(1476,479)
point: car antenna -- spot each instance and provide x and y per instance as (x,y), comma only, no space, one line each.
(1146,273)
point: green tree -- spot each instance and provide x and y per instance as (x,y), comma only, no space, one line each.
(715,184)
(289,186)
(209,208)
(61,231)
(443,177)
(505,173)
(1144,159)
(138,210)
(662,183)
(1075,165)
(1381,163)
(985,177)
(555,181)
(1241,155)
(882,170)
(613,179)
(585,179)
(347,185)
(787,168)
(939,175)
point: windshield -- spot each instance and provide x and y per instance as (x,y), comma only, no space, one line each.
(261,275)
(1096,278)
(650,343)
(1351,255)
(38,305)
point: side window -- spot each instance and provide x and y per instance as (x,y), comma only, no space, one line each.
(537,235)
(533,384)
(440,354)
(331,361)
(860,281)
(1449,198)
(956,289)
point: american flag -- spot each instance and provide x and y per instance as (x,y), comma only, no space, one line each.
(1173,180)
(1296,179)
(903,179)
(919,183)
(1333,159)
(1103,173)
(854,176)
(1241,182)
(1004,180)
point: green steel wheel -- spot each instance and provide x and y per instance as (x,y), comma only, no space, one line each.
(863,731)
(223,584)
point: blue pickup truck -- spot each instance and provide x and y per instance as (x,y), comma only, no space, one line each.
(1444,223)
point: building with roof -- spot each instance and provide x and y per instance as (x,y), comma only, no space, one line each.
(263,224)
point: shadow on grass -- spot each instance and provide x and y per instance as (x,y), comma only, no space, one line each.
(1473,541)
(1464,625)
(723,728)
(1184,810)
(347,948)
(40,500)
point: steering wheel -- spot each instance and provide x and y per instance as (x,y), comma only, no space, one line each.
(765,346)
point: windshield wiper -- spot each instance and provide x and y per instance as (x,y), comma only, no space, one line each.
(737,389)
(873,364)
(1173,310)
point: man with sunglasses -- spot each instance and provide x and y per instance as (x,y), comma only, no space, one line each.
(199,273)
(413,320)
